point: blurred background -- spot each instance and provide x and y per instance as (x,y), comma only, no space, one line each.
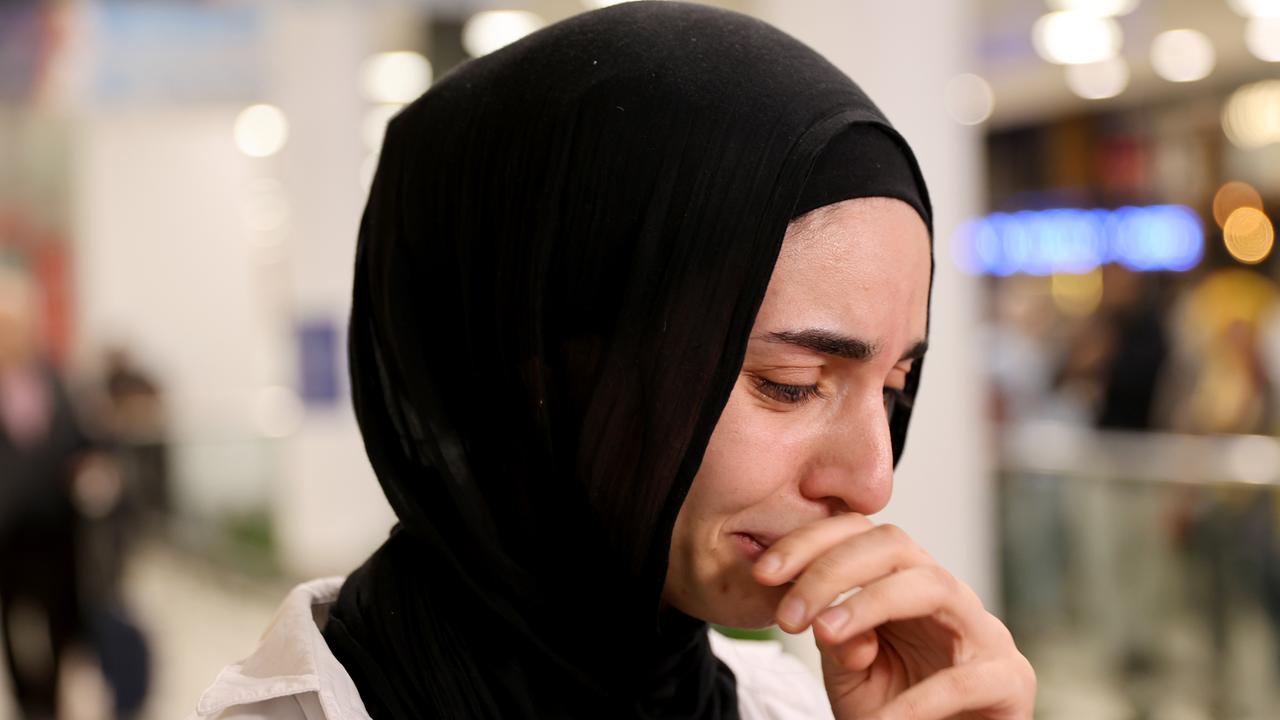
(1094,449)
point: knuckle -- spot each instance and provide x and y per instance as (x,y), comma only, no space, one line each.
(1006,637)
(976,601)
(1029,681)
(855,521)
(914,555)
(940,578)
(893,534)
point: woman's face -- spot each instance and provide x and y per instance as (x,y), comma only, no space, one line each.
(805,433)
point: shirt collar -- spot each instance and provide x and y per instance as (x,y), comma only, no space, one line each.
(291,658)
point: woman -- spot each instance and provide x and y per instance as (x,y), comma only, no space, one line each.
(639,310)
(41,445)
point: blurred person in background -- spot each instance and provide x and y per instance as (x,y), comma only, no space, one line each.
(41,444)
(117,491)
(1138,346)
(639,313)
(132,414)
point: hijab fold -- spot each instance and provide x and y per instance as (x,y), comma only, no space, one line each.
(563,251)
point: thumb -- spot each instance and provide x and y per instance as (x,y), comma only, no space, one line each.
(847,664)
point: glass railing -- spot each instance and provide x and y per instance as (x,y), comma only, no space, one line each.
(1141,572)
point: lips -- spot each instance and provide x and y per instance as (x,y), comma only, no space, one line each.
(764,540)
(753,545)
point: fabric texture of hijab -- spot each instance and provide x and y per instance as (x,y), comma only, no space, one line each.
(563,251)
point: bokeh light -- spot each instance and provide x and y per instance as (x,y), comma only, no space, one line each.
(1251,117)
(1099,8)
(1249,235)
(395,77)
(261,130)
(1256,8)
(1070,38)
(490,30)
(1262,37)
(969,99)
(1182,55)
(1077,294)
(1232,196)
(1095,81)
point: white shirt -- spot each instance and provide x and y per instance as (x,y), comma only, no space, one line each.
(293,675)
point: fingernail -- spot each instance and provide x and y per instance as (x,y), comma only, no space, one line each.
(770,564)
(792,612)
(834,618)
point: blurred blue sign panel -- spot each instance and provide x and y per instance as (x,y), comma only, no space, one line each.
(148,51)
(319,363)
(1069,240)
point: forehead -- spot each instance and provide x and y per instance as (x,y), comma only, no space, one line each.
(860,265)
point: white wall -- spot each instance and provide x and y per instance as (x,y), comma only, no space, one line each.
(329,510)
(163,264)
(169,262)
(903,53)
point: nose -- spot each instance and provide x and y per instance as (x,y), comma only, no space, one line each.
(851,466)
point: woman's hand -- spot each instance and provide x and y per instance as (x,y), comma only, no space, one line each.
(913,644)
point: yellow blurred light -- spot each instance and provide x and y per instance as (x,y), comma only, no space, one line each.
(1182,55)
(1232,196)
(374,125)
(1099,8)
(490,30)
(261,130)
(1077,295)
(1073,38)
(1262,37)
(395,77)
(1251,117)
(1095,81)
(968,99)
(1248,235)
(1256,8)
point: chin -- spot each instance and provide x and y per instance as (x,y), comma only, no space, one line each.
(714,583)
(741,602)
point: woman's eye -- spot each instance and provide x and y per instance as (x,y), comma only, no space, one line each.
(786,393)
(894,398)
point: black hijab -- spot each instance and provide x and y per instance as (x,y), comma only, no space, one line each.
(564,249)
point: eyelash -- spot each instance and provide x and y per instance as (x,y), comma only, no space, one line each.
(794,394)
(787,393)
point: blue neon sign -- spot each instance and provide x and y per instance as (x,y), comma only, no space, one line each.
(1070,240)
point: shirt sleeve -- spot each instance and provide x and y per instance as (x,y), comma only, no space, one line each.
(772,685)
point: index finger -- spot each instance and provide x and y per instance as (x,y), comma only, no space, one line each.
(794,551)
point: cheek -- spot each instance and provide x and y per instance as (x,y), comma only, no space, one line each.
(749,463)
(750,457)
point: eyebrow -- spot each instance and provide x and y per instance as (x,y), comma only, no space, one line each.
(827,342)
